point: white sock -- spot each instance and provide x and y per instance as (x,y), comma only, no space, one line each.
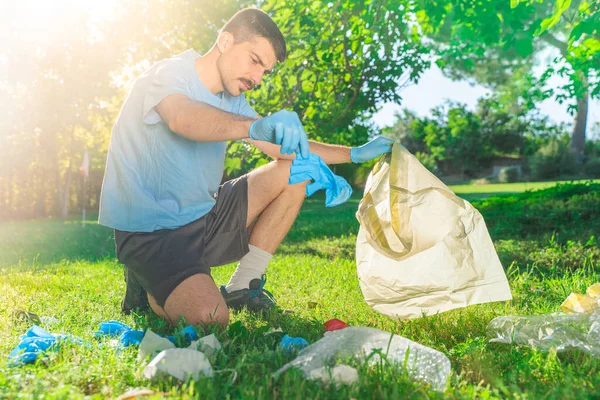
(251,266)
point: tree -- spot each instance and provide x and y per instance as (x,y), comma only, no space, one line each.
(344,58)
(498,37)
(457,140)
(53,77)
(68,84)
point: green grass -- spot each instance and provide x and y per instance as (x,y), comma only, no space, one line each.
(478,192)
(56,268)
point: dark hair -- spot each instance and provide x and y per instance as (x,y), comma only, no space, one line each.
(251,22)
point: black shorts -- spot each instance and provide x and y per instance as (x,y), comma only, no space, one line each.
(162,259)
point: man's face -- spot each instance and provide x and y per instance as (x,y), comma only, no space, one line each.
(243,65)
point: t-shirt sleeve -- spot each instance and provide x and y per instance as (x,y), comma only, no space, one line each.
(168,79)
(245,109)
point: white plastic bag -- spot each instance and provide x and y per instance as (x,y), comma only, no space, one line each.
(152,344)
(420,248)
(209,345)
(340,374)
(179,363)
(422,363)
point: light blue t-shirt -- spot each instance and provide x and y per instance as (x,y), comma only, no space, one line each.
(155,178)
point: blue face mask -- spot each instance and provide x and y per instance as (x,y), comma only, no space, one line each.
(314,169)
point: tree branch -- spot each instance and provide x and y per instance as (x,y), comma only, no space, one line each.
(552,40)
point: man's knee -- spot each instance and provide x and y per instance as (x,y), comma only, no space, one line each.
(198,301)
(219,317)
(283,169)
(296,189)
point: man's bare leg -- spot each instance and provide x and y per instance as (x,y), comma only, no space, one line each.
(272,208)
(197,299)
(274,202)
(273,205)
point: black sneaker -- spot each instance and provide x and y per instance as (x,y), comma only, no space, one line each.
(135,295)
(256,298)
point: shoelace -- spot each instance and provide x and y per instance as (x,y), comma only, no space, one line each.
(254,293)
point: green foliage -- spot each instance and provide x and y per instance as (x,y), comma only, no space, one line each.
(456,139)
(592,167)
(428,161)
(489,42)
(552,160)
(508,175)
(344,59)
(242,158)
(560,7)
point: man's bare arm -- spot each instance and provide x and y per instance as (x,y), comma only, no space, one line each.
(201,122)
(330,153)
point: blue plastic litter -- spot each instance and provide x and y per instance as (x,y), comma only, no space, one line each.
(35,342)
(189,333)
(290,344)
(111,328)
(313,168)
(129,336)
(126,335)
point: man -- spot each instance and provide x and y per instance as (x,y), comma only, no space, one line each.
(161,192)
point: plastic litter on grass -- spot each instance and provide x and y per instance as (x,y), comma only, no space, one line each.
(422,363)
(576,327)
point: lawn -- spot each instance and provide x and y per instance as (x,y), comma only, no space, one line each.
(545,240)
(478,192)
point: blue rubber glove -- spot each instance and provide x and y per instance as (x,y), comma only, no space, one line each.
(290,344)
(373,149)
(284,128)
(313,168)
(35,342)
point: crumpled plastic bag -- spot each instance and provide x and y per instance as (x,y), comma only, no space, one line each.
(557,330)
(420,248)
(209,345)
(152,344)
(340,374)
(179,363)
(422,363)
(580,303)
(586,303)
(576,328)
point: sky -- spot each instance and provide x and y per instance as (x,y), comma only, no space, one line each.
(434,88)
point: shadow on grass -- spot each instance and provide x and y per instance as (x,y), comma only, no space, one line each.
(318,230)
(41,242)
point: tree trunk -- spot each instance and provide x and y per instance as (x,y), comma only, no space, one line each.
(11,193)
(41,194)
(64,207)
(578,136)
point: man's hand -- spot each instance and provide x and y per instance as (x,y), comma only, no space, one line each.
(373,149)
(284,128)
